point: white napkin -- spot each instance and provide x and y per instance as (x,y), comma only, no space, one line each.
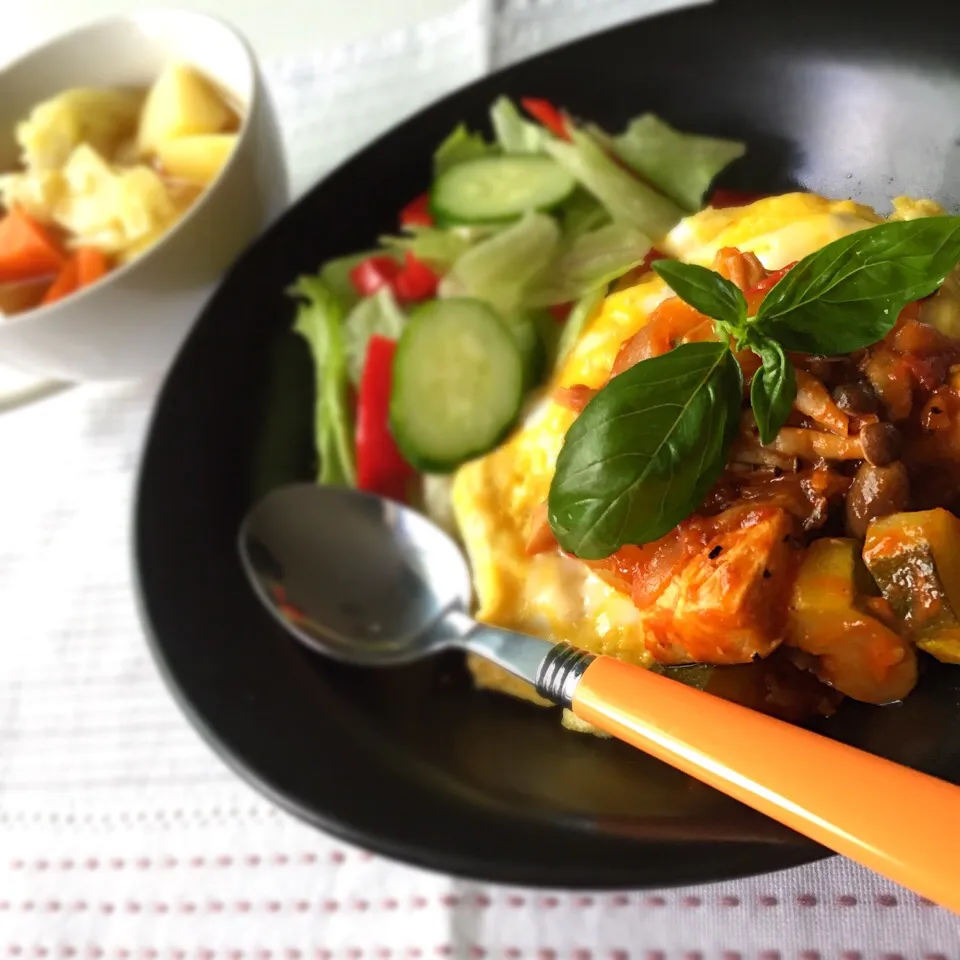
(121,835)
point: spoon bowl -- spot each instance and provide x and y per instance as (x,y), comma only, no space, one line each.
(353,576)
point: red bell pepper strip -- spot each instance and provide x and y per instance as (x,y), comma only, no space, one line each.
(380,465)
(732,198)
(652,254)
(544,112)
(417,212)
(373,273)
(415,281)
(772,279)
(410,281)
(560,311)
(759,290)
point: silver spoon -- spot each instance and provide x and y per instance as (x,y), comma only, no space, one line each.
(374,583)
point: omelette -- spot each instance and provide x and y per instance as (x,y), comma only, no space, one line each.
(769,510)
(496,497)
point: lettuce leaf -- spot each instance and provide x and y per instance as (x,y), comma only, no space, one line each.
(439,248)
(376,314)
(514,134)
(460,145)
(627,199)
(580,214)
(320,321)
(335,276)
(590,262)
(501,268)
(682,165)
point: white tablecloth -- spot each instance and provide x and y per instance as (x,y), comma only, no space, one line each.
(122,836)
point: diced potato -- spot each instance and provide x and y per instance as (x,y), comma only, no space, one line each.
(832,620)
(143,203)
(111,208)
(86,171)
(198,159)
(36,192)
(99,118)
(181,103)
(915,559)
(826,580)
(88,201)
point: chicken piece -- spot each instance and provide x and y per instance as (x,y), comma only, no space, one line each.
(729,603)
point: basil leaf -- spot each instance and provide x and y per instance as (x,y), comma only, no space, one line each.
(773,390)
(848,294)
(645,450)
(705,290)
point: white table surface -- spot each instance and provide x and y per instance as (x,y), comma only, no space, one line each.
(121,835)
(275,27)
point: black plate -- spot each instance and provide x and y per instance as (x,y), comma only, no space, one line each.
(844,98)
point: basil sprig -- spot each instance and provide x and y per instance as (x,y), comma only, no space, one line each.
(648,447)
(656,436)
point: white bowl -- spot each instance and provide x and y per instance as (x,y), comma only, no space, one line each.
(131,322)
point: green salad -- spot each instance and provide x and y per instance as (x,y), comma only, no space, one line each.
(426,346)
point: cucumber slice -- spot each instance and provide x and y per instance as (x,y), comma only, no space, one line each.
(491,189)
(458,379)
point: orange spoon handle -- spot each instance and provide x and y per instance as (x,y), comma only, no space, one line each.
(898,822)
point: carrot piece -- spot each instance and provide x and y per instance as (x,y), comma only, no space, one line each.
(26,249)
(65,283)
(92,264)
